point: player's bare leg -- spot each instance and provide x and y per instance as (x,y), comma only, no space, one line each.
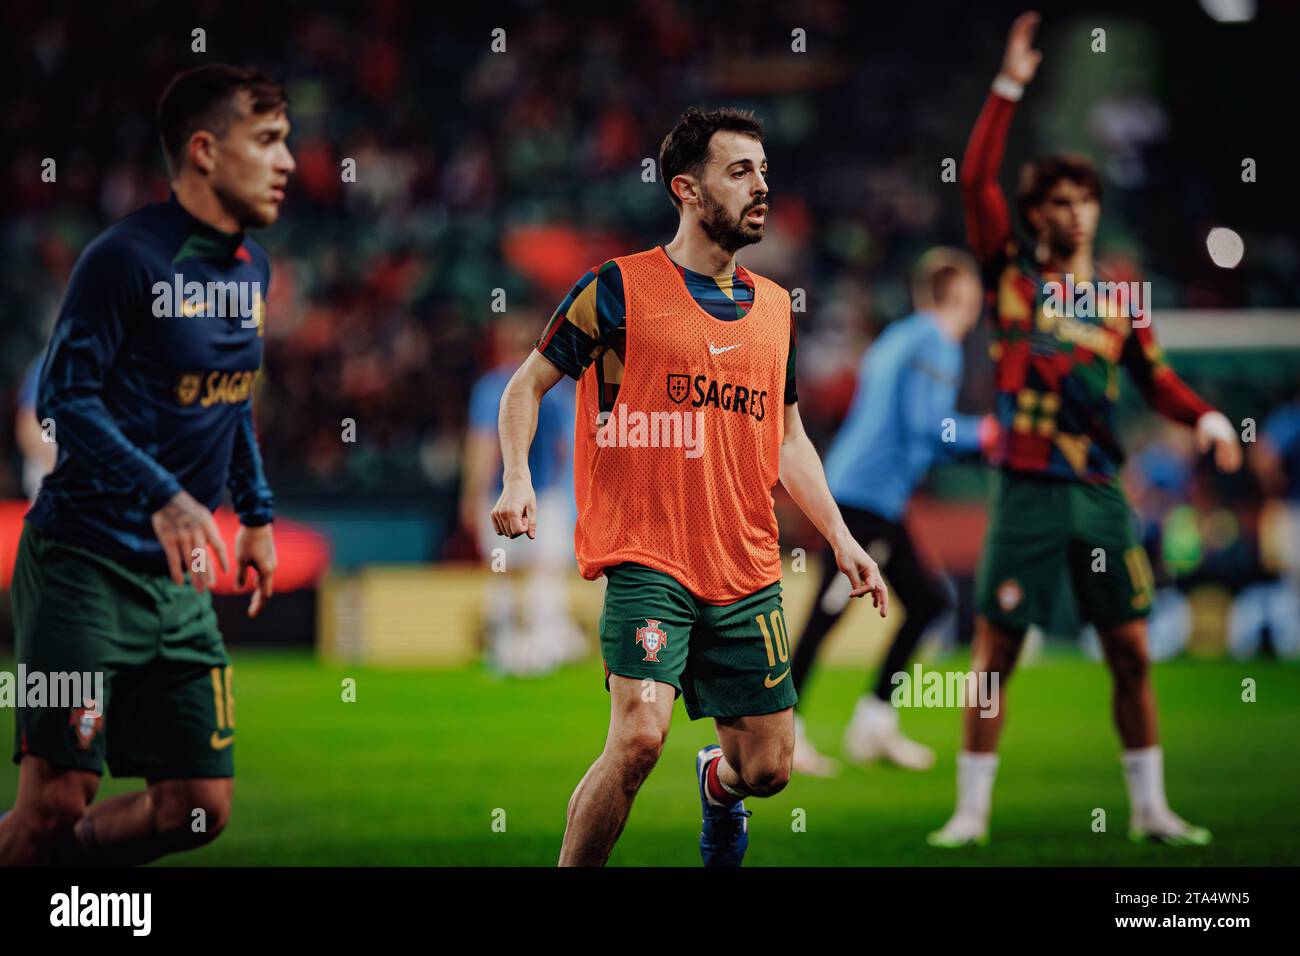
(54,821)
(757,752)
(1134,707)
(50,801)
(169,817)
(754,758)
(640,714)
(995,653)
(1134,701)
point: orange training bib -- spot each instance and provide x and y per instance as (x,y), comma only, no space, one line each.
(678,475)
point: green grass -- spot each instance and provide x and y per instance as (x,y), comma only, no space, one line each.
(413,771)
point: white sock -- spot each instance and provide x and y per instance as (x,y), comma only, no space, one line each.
(498,610)
(1144,776)
(548,611)
(975,773)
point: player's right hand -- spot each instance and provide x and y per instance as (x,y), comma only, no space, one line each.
(189,538)
(1213,430)
(515,512)
(1021,60)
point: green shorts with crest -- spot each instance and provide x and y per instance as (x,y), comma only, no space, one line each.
(1044,532)
(728,660)
(155,691)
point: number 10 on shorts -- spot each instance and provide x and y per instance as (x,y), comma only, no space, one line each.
(777,640)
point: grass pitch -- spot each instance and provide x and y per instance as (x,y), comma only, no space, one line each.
(421,766)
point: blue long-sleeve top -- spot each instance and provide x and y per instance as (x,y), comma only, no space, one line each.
(896,425)
(148,381)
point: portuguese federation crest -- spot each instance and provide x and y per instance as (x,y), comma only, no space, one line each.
(652,638)
(1010,594)
(187,388)
(86,723)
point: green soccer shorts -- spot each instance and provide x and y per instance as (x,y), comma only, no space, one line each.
(731,660)
(1041,531)
(168,710)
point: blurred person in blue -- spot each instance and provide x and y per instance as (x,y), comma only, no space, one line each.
(529,627)
(1274,606)
(1276,463)
(903,416)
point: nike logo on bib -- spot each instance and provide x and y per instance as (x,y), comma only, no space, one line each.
(714,350)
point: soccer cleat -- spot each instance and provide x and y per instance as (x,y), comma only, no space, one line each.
(807,760)
(964,829)
(1168,828)
(868,741)
(724,836)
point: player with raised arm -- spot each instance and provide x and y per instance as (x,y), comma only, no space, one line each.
(1057,502)
(678,516)
(150,394)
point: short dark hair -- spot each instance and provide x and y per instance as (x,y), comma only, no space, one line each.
(206,97)
(1038,176)
(686,147)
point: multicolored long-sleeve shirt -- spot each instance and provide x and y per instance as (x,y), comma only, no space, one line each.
(148,382)
(1057,372)
(591,324)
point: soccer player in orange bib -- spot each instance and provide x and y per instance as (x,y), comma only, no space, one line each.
(686,417)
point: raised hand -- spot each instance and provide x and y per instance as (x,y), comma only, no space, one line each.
(1020,61)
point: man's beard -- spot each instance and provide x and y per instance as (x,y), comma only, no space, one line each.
(728,232)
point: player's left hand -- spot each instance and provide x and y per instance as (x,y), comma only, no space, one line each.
(1214,430)
(862,574)
(255,548)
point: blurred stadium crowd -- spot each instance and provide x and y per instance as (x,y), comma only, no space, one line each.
(485,176)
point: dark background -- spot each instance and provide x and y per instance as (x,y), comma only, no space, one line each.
(517,171)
